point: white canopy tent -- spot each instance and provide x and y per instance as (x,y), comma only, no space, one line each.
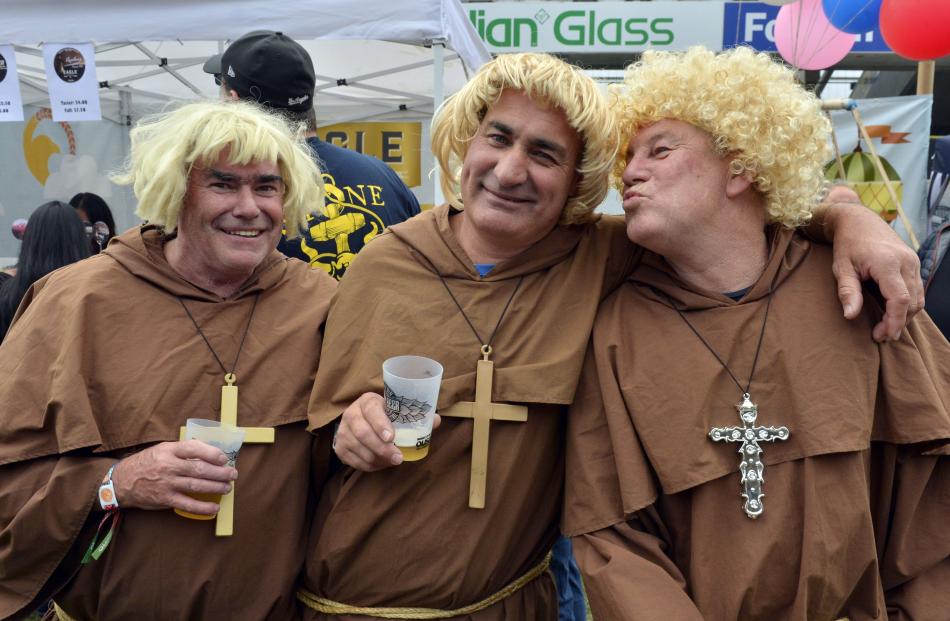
(154,51)
(375,60)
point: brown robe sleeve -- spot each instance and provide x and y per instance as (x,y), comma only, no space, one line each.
(620,543)
(44,505)
(629,575)
(911,502)
(624,255)
(910,482)
(46,501)
(608,475)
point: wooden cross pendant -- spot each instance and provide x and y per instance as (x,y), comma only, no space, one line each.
(751,466)
(483,411)
(224,524)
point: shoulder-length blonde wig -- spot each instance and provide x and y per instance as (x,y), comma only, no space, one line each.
(166,146)
(752,106)
(546,79)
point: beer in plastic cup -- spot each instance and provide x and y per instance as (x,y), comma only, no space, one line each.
(411,391)
(226,437)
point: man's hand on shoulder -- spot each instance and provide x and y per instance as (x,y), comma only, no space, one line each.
(162,476)
(364,438)
(865,247)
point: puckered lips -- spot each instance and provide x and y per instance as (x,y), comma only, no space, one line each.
(632,198)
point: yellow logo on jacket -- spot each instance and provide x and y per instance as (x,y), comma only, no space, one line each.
(348,212)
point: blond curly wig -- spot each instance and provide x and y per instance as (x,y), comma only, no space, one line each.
(166,146)
(546,79)
(753,108)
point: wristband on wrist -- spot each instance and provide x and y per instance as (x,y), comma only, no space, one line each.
(110,505)
(107,499)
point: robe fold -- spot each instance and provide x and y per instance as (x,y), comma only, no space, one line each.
(856,499)
(406,536)
(102,361)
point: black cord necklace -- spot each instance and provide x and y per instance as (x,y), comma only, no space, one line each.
(486,345)
(483,410)
(758,347)
(228,375)
(748,435)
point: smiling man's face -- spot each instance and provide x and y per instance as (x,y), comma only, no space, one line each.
(230,218)
(519,171)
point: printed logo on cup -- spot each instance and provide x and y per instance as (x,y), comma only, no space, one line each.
(232,457)
(69,64)
(3,67)
(401,409)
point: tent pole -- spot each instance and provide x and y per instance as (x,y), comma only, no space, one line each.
(125,108)
(438,95)
(164,66)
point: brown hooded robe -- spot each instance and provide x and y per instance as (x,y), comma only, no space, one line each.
(856,499)
(102,362)
(405,536)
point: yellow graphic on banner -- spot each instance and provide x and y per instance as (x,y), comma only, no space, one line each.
(38,148)
(398,145)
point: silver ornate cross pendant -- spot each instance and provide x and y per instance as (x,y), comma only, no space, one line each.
(751,465)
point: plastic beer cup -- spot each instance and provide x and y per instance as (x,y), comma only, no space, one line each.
(226,437)
(411,391)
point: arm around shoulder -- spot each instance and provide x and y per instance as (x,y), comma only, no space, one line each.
(866,248)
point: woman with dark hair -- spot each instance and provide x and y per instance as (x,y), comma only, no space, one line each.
(91,209)
(54,237)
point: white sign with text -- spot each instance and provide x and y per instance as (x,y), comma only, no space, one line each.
(71,77)
(11,103)
(585,27)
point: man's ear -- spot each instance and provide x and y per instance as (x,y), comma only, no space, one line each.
(738,184)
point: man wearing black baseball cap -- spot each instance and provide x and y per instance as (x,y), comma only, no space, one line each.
(364,196)
(269,68)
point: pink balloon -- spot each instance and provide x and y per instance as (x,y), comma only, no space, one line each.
(806,39)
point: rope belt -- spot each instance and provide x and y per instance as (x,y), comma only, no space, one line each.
(331,607)
(60,614)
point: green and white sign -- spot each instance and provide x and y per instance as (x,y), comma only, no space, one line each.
(596,27)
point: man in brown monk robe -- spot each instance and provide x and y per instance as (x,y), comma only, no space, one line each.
(108,358)
(509,285)
(727,338)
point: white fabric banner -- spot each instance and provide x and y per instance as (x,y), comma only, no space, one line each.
(900,130)
(71,79)
(11,103)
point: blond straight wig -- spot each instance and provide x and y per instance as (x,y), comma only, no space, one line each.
(167,146)
(754,109)
(551,82)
